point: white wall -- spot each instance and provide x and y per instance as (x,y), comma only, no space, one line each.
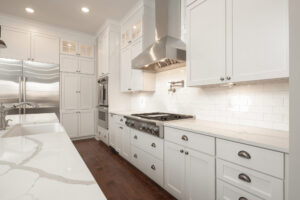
(294,183)
(262,104)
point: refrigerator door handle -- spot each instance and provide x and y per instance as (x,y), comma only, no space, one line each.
(24,93)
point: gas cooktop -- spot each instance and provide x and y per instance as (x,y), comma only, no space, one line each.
(159,116)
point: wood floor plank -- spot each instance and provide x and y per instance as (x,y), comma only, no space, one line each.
(118,179)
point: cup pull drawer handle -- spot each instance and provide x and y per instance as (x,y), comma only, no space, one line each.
(153,145)
(243,198)
(244,154)
(135,155)
(185,138)
(153,167)
(135,137)
(244,177)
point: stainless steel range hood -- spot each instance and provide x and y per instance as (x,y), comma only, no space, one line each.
(168,50)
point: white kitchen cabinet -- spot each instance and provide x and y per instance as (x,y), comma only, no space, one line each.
(77,91)
(79,123)
(17,42)
(44,48)
(83,49)
(133,80)
(118,138)
(113,129)
(260,40)
(200,176)
(235,41)
(70,95)
(103,53)
(77,64)
(174,167)
(87,123)
(69,120)
(126,145)
(206,42)
(68,47)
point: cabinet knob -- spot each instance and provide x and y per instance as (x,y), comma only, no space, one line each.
(222,79)
(244,154)
(135,137)
(228,78)
(243,198)
(186,153)
(185,138)
(121,127)
(244,177)
(181,151)
(129,89)
(121,120)
(153,167)
(135,155)
(153,145)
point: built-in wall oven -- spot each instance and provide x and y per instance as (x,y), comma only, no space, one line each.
(103,102)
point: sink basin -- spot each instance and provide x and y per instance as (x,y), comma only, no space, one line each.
(32,129)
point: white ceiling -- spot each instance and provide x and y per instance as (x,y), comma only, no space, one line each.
(67,13)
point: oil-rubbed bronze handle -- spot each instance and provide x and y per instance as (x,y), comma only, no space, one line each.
(244,154)
(185,138)
(243,198)
(153,167)
(135,137)
(186,153)
(181,151)
(153,145)
(244,177)
(135,156)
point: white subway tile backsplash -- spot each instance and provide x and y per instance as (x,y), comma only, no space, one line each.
(259,104)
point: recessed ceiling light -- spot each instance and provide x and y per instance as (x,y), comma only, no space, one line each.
(85,9)
(29,10)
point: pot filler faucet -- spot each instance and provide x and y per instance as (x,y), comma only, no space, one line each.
(4,110)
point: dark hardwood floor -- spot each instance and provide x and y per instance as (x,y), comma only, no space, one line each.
(118,179)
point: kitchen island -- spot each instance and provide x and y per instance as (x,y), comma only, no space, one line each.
(39,161)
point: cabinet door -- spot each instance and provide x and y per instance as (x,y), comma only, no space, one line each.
(126,34)
(68,63)
(206,42)
(260,39)
(103,54)
(86,50)
(44,48)
(86,91)
(86,65)
(126,146)
(113,128)
(136,80)
(70,91)
(174,165)
(17,42)
(200,176)
(136,28)
(86,123)
(126,70)
(69,121)
(68,47)
(118,136)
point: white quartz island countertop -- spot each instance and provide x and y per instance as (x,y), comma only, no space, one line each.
(266,138)
(42,165)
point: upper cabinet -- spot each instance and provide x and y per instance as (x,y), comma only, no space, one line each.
(133,42)
(25,45)
(103,53)
(82,49)
(44,48)
(17,42)
(77,64)
(234,41)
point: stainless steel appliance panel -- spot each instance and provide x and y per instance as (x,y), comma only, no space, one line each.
(41,86)
(103,91)
(10,82)
(103,116)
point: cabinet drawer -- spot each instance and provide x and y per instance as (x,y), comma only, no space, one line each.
(148,143)
(148,164)
(229,192)
(264,186)
(191,140)
(118,119)
(267,161)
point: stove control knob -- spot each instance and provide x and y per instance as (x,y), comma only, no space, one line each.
(155,130)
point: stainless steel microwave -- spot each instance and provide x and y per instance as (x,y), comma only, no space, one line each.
(103,91)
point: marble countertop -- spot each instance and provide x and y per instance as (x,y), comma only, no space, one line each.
(44,166)
(266,138)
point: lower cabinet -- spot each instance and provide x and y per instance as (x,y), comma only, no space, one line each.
(78,123)
(189,174)
(125,150)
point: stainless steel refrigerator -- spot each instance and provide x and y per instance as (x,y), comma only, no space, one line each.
(31,82)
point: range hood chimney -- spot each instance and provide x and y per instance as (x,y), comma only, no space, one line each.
(168,50)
